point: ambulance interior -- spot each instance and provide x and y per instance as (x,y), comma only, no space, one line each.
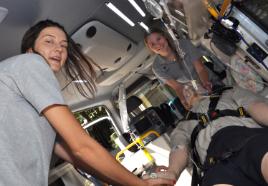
(133,113)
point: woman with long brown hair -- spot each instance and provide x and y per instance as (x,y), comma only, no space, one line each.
(32,111)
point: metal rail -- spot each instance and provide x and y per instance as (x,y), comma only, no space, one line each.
(141,144)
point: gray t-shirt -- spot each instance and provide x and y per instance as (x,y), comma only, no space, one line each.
(27,87)
(166,70)
(231,99)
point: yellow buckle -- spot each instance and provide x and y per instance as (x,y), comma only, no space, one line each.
(211,161)
(241,111)
(203,119)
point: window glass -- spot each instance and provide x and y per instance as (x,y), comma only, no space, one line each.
(99,125)
(257,11)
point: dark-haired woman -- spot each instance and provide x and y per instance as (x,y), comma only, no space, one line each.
(32,111)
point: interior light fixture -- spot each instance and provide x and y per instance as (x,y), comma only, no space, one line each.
(179,12)
(185,31)
(119,13)
(3,13)
(144,26)
(79,81)
(137,7)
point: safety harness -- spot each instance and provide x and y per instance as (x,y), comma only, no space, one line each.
(203,121)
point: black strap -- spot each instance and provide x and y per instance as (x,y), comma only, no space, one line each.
(196,178)
(212,105)
(240,112)
(213,114)
(194,154)
(216,97)
(192,115)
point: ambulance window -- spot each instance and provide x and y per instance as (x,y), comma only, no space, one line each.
(98,124)
(256,10)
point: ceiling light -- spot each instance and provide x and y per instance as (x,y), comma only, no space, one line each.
(119,13)
(146,28)
(3,13)
(79,81)
(180,13)
(137,7)
(185,31)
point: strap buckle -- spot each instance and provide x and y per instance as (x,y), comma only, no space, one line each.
(211,161)
(203,120)
(241,111)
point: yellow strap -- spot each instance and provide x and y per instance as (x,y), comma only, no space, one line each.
(211,9)
(214,12)
(224,7)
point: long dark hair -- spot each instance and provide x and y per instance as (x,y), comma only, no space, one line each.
(77,67)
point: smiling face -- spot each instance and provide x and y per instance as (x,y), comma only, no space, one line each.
(52,44)
(158,44)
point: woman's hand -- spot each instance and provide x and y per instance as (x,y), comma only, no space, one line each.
(208,86)
(203,74)
(186,105)
(160,178)
(160,182)
(160,168)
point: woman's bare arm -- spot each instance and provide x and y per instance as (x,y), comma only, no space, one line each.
(203,74)
(177,87)
(87,153)
(178,160)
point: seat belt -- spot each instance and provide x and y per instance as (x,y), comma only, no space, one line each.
(203,119)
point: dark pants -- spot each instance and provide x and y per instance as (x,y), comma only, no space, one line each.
(243,168)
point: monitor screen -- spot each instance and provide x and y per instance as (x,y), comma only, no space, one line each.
(143,124)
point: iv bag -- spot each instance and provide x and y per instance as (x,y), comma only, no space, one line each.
(153,8)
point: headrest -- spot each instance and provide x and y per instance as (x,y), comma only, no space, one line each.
(133,102)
